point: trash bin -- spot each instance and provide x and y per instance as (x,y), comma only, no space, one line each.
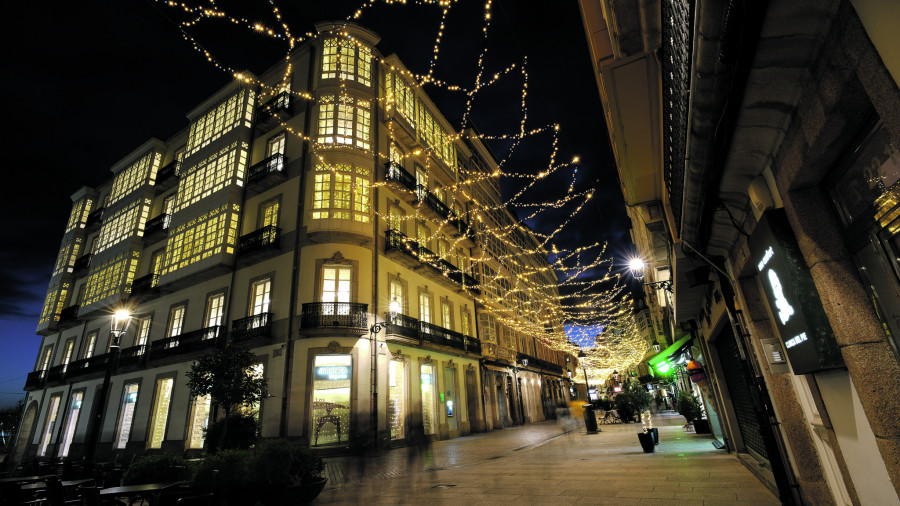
(590,420)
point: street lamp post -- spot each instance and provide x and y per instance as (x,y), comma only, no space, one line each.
(120,320)
(587,388)
(393,310)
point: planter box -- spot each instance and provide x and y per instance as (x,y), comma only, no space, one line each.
(701,426)
(646,440)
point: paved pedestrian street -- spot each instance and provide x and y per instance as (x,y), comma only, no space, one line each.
(543,464)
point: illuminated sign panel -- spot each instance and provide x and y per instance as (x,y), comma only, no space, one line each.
(792,297)
(333,372)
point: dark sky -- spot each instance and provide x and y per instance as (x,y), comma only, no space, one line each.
(87,82)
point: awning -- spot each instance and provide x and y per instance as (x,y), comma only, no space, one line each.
(660,359)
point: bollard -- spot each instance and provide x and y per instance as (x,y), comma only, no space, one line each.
(590,421)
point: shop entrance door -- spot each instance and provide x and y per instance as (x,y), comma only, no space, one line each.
(742,399)
(471,398)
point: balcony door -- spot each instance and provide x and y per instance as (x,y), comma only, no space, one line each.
(336,283)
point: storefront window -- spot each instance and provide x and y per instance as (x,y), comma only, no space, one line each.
(867,195)
(199,421)
(397,399)
(71,422)
(160,412)
(331,399)
(428,386)
(49,425)
(126,415)
(450,397)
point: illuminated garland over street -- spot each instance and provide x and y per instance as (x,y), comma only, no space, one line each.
(594,301)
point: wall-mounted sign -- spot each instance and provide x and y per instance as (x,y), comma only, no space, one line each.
(332,372)
(792,297)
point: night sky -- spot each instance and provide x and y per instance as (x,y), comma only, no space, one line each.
(88,82)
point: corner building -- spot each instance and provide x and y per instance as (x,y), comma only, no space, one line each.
(285,218)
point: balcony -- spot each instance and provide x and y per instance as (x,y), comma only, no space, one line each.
(251,327)
(87,366)
(94,220)
(157,228)
(145,285)
(267,173)
(35,380)
(460,229)
(323,315)
(133,356)
(273,112)
(259,243)
(439,209)
(57,374)
(68,317)
(80,267)
(197,340)
(407,328)
(167,176)
(540,363)
(408,252)
(397,177)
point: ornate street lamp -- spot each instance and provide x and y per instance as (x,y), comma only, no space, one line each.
(393,311)
(120,320)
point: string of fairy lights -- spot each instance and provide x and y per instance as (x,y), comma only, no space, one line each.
(575,303)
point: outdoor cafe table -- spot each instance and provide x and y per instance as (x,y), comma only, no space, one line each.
(151,490)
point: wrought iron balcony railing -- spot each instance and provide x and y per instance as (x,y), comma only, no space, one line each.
(265,237)
(169,171)
(540,363)
(352,315)
(190,341)
(272,164)
(434,203)
(278,103)
(35,379)
(397,241)
(158,225)
(412,328)
(397,174)
(88,365)
(81,264)
(144,284)
(56,374)
(259,325)
(68,314)
(95,218)
(135,355)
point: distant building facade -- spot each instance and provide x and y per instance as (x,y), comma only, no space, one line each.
(286,218)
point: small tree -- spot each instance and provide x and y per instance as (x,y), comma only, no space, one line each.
(227,375)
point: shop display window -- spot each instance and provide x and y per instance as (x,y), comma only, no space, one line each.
(330,422)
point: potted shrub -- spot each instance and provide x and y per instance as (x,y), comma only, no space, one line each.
(689,407)
(226,474)
(158,468)
(287,471)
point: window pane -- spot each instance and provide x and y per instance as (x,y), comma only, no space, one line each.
(199,421)
(160,412)
(49,425)
(428,386)
(261,292)
(71,422)
(397,399)
(126,415)
(215,309)
(331,399)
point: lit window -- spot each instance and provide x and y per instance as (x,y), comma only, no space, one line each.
(71,422)
(67,353)
(400,97)
(268,214)
(176,321)
(344,122)
(397,293)
(160,413)
(199,421)
(49,425)
(275,145)
(54,303)
(134,176)
(67,255)
(91,343)
(220,119)
(464,321)
(425,307)
(126,415)
(330,413)
(126,223)
(256,371)
(397,399)
(488,328)
(223,168)
(79,215)
(259,296)
(209,234)
(347,59)
(446,316)
(336,289)
(142,333)
(342,192)
(215,308)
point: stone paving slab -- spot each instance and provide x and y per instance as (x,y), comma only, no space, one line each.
(543,464)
